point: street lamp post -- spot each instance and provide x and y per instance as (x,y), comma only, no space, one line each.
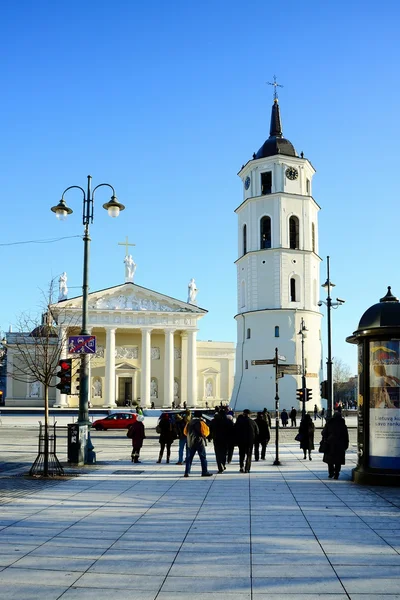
(328,285)
(62,211)
(303,333)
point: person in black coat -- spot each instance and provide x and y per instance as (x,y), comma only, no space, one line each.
(246,431)
(221,432)
(167,435)
(306,432)
(262,438)
(335,437)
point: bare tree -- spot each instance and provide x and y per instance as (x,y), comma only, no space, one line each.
(37,347)
(341,371)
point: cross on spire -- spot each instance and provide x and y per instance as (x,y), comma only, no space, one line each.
(126,244)
(276,85)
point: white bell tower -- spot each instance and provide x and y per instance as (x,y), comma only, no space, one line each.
(277,274)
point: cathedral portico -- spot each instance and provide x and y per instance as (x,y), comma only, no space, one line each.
(146,349)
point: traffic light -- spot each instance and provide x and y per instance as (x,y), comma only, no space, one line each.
(324,389)
(309,394)
(300,395)
(64,374)
(77,381)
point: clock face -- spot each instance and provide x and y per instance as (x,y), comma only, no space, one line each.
(247,183)
(292,173)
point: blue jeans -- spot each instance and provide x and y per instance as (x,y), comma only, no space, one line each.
(182,447)
(201,451)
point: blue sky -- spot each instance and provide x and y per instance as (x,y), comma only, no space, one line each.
(166,101)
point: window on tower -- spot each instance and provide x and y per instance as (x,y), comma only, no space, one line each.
(313,237)
(294,232)
(308,187)
(248,333)
(276,330)
(265,233)
(266,183)
(292,289)
(244,239)
(246,364)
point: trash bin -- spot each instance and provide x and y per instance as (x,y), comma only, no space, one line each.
(77,443)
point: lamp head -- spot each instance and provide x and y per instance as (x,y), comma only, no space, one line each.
(62,210)
(327,284)
(113,207)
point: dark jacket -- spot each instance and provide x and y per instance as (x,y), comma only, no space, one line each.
(246,431)
(293,414)
(167,431)
(263,429)
(138,435)
(221,429)
(336,437)
(284,416)
(306,430)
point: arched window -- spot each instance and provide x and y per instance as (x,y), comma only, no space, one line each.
(244,239)
(248,333)
(276,331)
(246,364)
(243,294)
(265,233)
(292,289)
(313,237)
(293,232)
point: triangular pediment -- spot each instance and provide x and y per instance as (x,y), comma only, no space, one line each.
(210,371)
(131,298)
(125,367)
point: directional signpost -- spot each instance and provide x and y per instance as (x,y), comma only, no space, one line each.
(280,371)
(82,344)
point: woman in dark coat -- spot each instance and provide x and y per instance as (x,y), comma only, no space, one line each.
(137,434)
(167,435)
(306,432)
(263,436)
(335,436)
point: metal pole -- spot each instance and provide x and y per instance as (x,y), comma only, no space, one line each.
(303,370)
(329,361)
(83,417)
(277,461)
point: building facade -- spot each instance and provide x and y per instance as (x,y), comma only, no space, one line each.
(147,352)
(277,274)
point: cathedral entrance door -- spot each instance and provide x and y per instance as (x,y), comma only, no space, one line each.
(125,391)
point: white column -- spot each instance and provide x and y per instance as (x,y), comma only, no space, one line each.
(62,399)
(110,368)
(146,368)
(169,368)
(134,386)
(184,394)
(192,369)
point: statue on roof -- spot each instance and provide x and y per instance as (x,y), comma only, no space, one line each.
(192,291)
(130,268)
(62,287)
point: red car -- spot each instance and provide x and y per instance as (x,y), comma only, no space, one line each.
(115,421)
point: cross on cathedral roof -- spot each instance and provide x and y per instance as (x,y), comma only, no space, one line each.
(276,85)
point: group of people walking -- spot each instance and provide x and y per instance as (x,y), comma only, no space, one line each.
(249,435)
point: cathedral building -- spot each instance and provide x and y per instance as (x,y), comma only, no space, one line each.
(277,275)
(147,351)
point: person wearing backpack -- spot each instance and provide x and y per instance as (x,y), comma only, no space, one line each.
(197,432)
(137,434)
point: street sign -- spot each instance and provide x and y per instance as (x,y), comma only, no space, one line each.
(264,361)
(82,344)
(290,369)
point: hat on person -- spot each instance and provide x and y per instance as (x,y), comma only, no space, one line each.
(140,418)
(246,411)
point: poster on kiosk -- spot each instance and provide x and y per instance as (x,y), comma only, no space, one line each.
(384,407)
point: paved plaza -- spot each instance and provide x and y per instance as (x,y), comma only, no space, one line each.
(144,532)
